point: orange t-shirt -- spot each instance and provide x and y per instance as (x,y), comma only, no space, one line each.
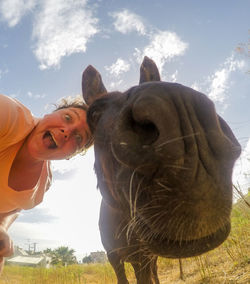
(16,122)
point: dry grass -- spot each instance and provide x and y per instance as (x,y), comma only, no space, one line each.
(230,263)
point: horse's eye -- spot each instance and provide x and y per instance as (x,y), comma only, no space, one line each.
(93,118)
(96,111)
(95,115)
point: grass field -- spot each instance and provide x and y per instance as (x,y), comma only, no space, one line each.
(230,263)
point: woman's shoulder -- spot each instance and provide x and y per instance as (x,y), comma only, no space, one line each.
(11,104)
(16,121)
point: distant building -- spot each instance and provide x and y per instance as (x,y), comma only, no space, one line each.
(22,258)
(98,257)
(34,261)
(19,251)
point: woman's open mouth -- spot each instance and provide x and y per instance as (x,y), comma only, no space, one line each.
(49,140)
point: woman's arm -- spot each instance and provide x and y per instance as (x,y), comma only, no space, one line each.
(6,244)
(6,219)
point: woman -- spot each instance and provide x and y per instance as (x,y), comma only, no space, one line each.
(27,144)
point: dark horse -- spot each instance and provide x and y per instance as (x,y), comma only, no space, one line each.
(163,160)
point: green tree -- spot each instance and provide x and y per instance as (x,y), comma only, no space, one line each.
(48,251)
(62,255)
(87,259)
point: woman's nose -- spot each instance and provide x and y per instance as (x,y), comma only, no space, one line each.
(65,132)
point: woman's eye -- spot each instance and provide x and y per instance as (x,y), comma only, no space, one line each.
(78,139)
(67,117)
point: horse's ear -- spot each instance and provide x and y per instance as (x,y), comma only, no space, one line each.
(149,71)
(92,85)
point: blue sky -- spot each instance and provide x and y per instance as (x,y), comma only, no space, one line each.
(45,45)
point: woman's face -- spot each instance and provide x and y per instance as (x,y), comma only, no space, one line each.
(59,135)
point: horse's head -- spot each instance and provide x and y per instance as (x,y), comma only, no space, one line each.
(164,157)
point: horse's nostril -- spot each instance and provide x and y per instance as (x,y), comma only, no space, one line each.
(146,131)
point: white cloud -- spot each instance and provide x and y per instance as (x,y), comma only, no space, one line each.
(115,84)
(3,72)
(119,67)
(61,28)
(241,174)
(219,82)
(196,86)
(126,22)
(35,96)
(116,70)
(218,85)
(173,77)
(163,47)
(13,10)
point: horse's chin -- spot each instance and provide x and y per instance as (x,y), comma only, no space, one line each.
(183,248)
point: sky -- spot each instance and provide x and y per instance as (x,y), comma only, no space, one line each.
(45,46)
